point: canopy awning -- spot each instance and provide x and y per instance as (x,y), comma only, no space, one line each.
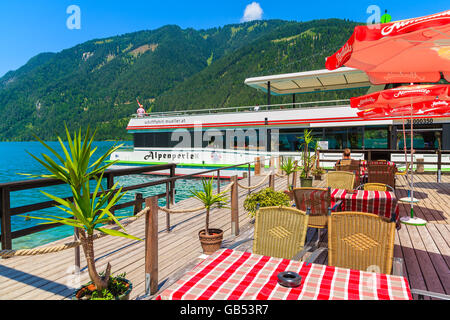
(311,81)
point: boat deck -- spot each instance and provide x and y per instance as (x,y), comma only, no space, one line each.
(425,250)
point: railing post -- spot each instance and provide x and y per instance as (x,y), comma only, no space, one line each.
(257,166)
(263,164)
(138,198)
(172,185)
(168,207)
(272,162)
(6,220)
(234,207)
(294,179)
(151,246)
(272,181)
(279,164)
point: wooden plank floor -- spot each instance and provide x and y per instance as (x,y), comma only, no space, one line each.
(425,250)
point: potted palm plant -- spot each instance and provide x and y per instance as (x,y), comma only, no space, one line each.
(210,239)
(87,212)
(288,167)
(308,160)
(318,172)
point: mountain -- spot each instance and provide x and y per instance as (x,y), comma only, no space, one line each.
(169,68)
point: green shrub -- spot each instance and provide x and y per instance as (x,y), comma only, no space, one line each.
(265,198)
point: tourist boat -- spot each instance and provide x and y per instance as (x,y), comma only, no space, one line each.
(199,140)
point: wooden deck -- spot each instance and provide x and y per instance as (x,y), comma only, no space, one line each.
(425,250)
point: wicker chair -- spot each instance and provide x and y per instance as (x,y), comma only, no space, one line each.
(280,232)
(375,187)
(361,241)
(353,166)
(380,172)
(341,180)
(403,173)
(318,202)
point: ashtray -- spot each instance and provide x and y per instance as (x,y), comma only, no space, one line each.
(289,279)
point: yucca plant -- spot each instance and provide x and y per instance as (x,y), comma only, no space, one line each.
(288,167)
(308,160)
(209,199)
(88,212)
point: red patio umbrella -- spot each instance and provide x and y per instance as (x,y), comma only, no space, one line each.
(415,50)
(408,51)
(416,100)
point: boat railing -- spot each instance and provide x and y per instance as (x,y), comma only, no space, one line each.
(253,108)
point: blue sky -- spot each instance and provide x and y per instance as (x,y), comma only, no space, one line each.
(29,27)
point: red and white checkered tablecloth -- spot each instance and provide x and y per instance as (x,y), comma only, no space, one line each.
(235,275)
(364,168)
(382,203)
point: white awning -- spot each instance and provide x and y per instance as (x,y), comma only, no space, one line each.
(311,81)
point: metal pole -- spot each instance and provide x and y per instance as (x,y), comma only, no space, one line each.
(218,181)
(249,174)
(439,165)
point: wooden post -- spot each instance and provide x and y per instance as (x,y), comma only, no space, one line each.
(257,166)
(234,207)
(272,181)
(168,207)
(6,220)
(138,203)
(263,165)
(172,185)
(272,162)
(151,246)
(294,179)
(278,165)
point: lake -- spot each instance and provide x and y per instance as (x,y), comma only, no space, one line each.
(14,159)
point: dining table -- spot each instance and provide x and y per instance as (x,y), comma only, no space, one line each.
(235,275)
(382,203)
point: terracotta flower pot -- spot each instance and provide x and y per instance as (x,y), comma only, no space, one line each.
(211,243)
(318,177)
(78,294)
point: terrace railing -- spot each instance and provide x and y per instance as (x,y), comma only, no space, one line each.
(369,155)
(6,212)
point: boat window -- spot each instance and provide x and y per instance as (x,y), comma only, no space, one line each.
(376,137)
(426,140)
(355,138)
(336,137)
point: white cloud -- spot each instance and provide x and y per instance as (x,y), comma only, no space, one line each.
(252,12)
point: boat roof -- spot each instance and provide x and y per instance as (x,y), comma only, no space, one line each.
(311,81)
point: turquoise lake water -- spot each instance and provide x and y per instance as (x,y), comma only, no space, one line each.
(14,159)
